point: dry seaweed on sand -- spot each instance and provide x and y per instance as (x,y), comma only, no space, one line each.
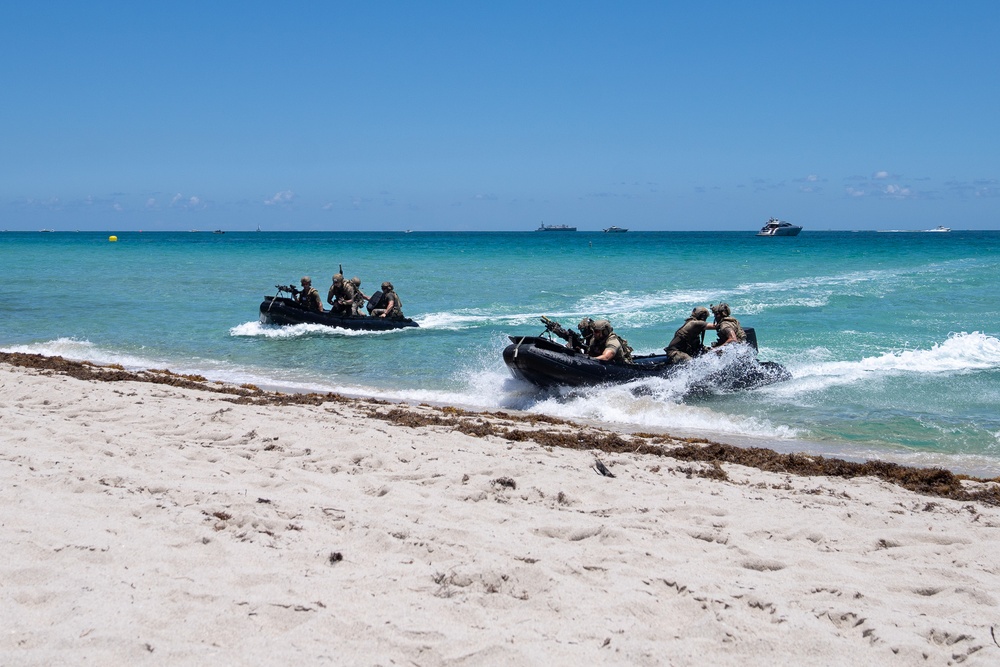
(552,432)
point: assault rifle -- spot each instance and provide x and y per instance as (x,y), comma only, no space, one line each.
(291,289)
(574,339)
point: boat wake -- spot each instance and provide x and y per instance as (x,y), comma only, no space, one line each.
(256,329)
(959,353)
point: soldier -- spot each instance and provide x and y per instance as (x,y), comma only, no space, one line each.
(729,329)
(689,340)
(309,298)
(359,297)
(341,296)
(605,345)
(393,308)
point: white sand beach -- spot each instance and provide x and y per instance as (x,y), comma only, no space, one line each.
(145,523)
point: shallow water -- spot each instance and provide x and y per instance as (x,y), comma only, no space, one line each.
(892,339)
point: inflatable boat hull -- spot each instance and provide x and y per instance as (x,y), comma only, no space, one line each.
(546,363)
(283,311)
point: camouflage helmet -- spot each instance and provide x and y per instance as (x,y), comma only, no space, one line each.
(586,324)
(602,325)
(387,286)
(356,281)
(700,313)
(338,278)
(306,280)
(721,310)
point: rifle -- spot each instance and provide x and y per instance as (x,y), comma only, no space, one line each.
(574,339)
(291,289)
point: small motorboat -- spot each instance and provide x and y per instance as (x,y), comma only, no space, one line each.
(615,230)
(775,227)
(545,362)
(285,311)
(939,228)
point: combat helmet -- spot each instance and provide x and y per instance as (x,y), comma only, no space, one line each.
(338,278)
(586,325)
(602,325)
(387,286)
(356,281)
(306,280)
(721,310)
(700,313)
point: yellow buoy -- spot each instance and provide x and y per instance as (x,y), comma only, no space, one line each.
(112,238)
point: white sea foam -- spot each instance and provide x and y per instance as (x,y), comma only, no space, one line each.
(467,319)
(654,404)
(299,330)
(83,350)
(960,352)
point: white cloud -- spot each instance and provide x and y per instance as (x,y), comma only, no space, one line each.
(897,192)
(880,175)
(185,202)
(280,198)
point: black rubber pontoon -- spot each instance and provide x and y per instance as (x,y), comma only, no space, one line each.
(284,311)
(547,363)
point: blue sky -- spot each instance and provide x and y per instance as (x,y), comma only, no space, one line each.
(496,116)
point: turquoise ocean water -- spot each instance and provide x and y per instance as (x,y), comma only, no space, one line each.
(893,339)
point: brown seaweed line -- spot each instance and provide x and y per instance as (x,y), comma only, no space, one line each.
(928,481)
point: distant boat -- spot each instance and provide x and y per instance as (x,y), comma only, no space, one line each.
(218,231)
(258,228)
(46,230)
(555,228)
(616,230)
(775,227)
(939,229)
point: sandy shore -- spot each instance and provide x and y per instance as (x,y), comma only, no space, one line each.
(154,519)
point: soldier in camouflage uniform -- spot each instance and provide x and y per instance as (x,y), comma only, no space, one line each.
(341,296)
(729,329)
(309,298)
(605,345)
(689,340)
(393,305)
(359,297)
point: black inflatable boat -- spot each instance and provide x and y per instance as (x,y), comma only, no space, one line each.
(546,362)
(282,311)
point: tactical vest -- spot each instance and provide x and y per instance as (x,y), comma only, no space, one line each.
(734,324)
(689,344)
(626,350)
(624,354)
(310,299)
